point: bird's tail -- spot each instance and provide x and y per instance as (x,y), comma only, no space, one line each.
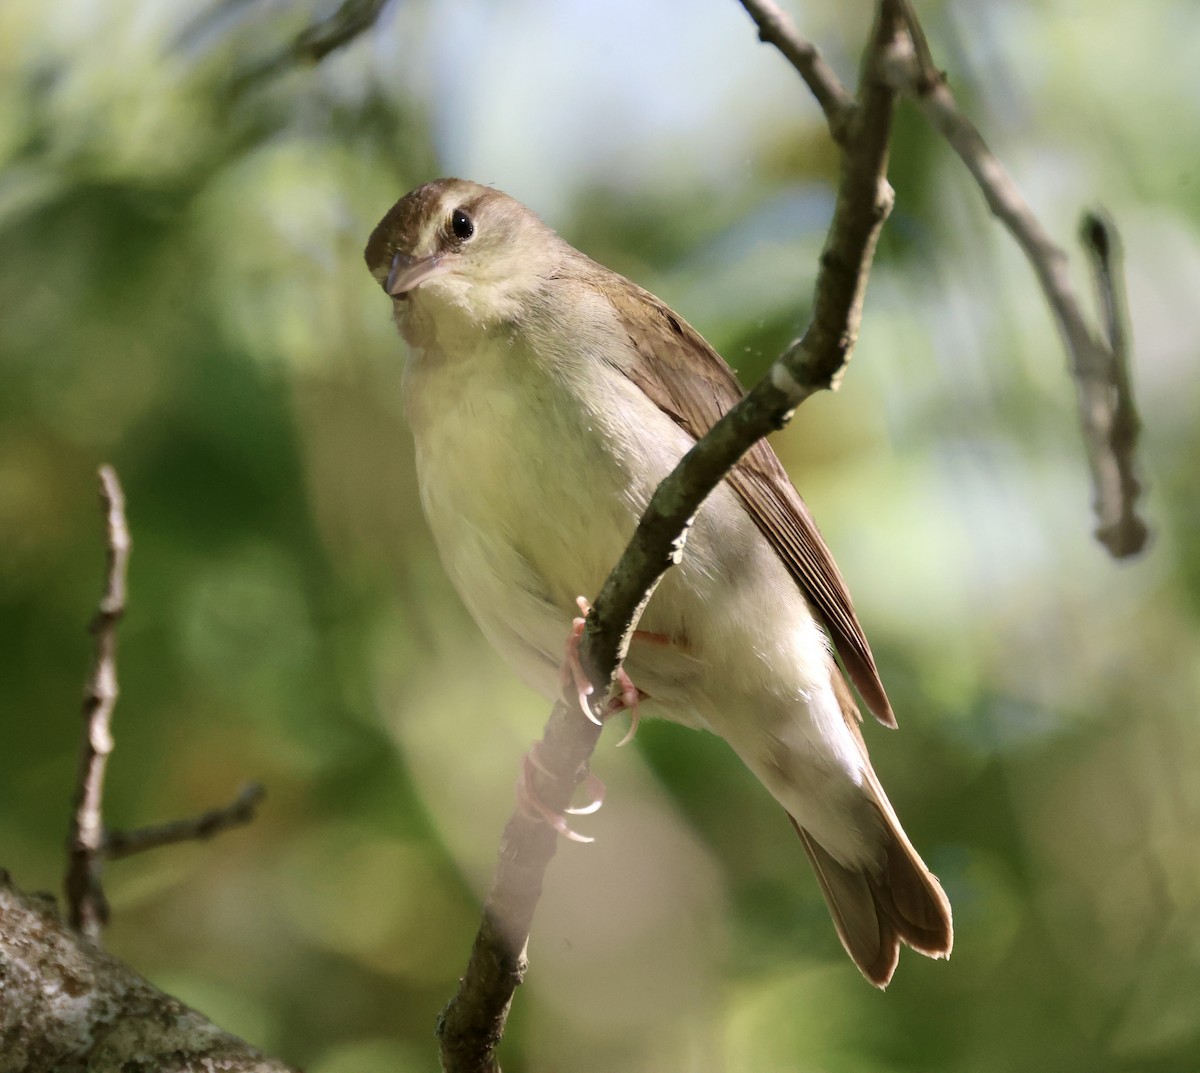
(874,911)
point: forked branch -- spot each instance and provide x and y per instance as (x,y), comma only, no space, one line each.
(1098,356)
(90,843)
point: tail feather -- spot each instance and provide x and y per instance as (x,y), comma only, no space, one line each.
(875,911)
(898,901)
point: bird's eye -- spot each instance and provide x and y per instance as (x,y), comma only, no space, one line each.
(462,225)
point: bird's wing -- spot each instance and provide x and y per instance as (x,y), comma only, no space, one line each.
(670,361)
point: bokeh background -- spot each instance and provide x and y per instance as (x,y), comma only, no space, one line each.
(183,296)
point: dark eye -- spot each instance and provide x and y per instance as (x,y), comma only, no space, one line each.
(462,225)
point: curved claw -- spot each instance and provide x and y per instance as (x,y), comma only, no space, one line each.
(629,697)
(531,805)
(560,825)
(631,733)
(573,674)
(596,789)
(572,669)
(595,785)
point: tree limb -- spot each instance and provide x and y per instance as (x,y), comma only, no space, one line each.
(65,1004)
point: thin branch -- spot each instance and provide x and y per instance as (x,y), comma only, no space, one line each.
(89,844)
(240,811)
(864,200)
(1103,392)
(776,28)
(1122,531)
(471,1026)
(85,845)
(352,19)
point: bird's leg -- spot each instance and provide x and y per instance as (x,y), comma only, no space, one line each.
(533,806)
(627,696)
(572,670)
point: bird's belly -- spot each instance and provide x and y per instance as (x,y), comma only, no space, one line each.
(528,503)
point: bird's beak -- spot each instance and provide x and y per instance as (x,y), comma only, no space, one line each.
(408,273)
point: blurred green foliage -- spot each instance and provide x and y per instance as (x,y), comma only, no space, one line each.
(183,296)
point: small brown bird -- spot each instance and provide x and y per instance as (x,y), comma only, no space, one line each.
(548,396)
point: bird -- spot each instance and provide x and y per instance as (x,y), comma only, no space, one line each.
(547,397)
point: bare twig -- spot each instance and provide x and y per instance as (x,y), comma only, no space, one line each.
(89,844)
(85,846)
(241,810)
(350,20)
(1099,365)
(472,1024)
(1120,530)
(864,200)
(776,28)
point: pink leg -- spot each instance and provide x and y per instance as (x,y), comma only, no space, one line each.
(627,696)
(531,805)
(572,669)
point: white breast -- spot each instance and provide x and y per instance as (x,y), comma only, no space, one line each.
(528,500)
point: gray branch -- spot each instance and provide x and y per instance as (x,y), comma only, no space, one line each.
(775,28)
(85,843)
(65,1004)
(240,811)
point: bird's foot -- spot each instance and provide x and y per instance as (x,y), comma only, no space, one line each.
(627,694)
(532,806)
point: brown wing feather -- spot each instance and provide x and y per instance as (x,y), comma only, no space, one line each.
(671,362)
